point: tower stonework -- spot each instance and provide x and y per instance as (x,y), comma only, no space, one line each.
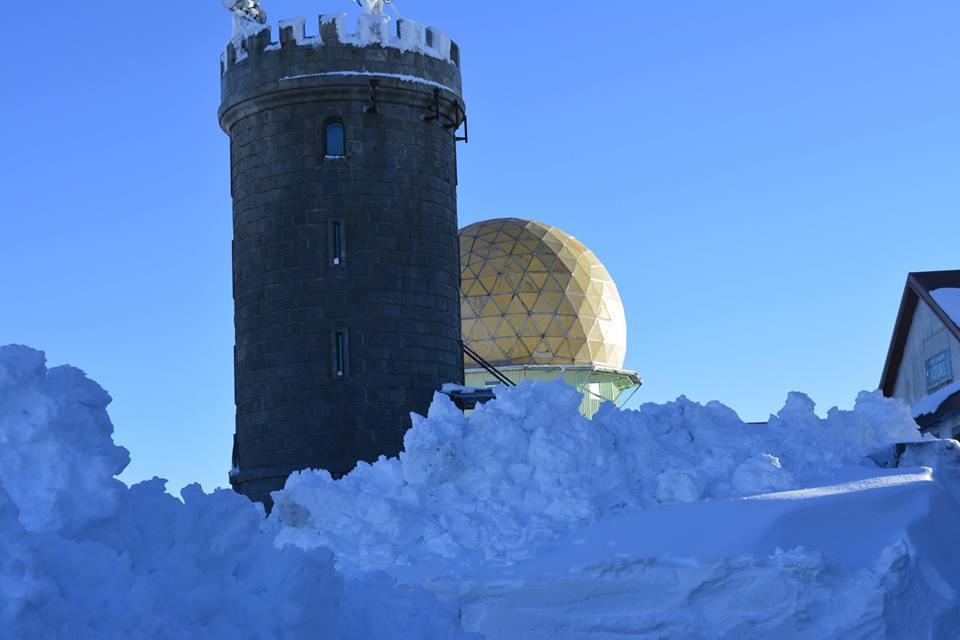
(346,267)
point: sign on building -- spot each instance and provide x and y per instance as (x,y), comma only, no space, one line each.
(939,370)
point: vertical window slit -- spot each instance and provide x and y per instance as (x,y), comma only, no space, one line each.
(340,354)
(337,248)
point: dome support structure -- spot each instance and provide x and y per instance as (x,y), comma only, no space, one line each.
(536,304)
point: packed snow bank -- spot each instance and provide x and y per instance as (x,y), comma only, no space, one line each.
(83,556)
(868,558)
(676,521)
(527,468)
(523,520)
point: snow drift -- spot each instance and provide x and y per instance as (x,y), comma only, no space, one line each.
(83,556)
(528,467)
(523,520)
(675,521)
(868,558)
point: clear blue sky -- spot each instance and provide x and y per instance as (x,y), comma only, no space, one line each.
(759,177)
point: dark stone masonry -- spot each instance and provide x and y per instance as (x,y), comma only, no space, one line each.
(345,256)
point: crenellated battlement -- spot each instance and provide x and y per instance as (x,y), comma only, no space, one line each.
(372,30)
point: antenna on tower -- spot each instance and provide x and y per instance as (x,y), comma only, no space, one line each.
(247,10)
(374,7)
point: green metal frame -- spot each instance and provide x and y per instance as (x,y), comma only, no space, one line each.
(595,384)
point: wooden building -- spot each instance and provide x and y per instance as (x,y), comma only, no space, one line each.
(923,362)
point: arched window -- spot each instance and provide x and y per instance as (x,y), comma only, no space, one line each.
(334,140)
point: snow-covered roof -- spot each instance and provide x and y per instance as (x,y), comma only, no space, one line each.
(931,403)
(949,300)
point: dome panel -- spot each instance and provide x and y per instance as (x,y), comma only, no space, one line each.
(502,300)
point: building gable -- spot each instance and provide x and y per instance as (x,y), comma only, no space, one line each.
(931,357)
(924,353)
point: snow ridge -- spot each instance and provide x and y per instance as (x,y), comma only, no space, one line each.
(523,520)
(527,468)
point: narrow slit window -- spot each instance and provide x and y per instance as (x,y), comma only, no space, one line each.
(335,140)
(340,354)
(336,250)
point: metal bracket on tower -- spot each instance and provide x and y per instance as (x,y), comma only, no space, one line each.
(436,108)
(459,119)
(374,94)
(455,122)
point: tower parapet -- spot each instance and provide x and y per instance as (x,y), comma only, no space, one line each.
(381,30)
(397,54)
(346,254)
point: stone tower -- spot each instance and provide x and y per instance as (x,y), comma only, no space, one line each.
(345,254)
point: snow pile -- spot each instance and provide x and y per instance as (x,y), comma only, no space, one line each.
(523,520)
(677,521)
(788,594)
(83,556)
(871,557)
(527,468)
(57,458)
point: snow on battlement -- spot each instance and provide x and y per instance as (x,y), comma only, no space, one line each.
(371,29)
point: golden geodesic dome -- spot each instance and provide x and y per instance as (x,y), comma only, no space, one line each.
(531,294)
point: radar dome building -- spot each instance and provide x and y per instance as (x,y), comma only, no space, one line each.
(537,305)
